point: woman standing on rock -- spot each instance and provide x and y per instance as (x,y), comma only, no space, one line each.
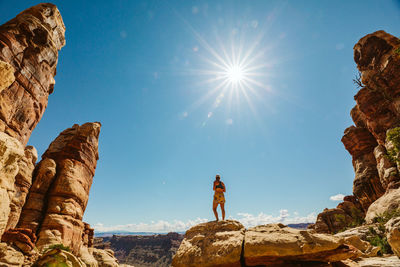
(219,198)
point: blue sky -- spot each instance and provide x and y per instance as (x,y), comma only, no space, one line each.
(143,69)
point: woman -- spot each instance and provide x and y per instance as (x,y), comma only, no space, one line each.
(219,198)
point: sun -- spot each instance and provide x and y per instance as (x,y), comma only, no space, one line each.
(232,69)
(235,74)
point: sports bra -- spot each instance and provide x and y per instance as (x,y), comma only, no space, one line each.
(219,186)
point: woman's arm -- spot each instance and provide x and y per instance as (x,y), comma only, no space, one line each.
(224,186)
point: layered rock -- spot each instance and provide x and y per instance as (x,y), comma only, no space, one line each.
(6,75)
(11,151)
(22,238)
(30,44)
(211,244)
(60,190)
(374,141)
(278,244)
(59,257)
(347,213)
(10,256)
(227,243)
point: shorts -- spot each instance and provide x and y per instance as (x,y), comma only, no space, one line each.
(219,198)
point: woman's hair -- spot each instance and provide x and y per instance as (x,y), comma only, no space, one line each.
(217,177)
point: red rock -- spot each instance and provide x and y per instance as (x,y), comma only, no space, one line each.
(60,191)
(23,238)
(30,44)
(377,111)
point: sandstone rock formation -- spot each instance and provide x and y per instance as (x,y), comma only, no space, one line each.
(278,244)
(68,165)
(30,44)
(22,238)
(334,220)
(393,236)
(211,244)
(374,141)
(11,151)
(6,75)
(227,243)
(47,199)
(10,256)
(22,184)
(59,257)
(105,257)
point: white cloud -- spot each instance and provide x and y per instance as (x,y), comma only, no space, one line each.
(160,226)
(247,219)
(338,197)
(250,220)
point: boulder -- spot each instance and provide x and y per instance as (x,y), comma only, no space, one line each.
(30,44)
(332,221)
(389,202)
(364,246)
(217,243)
(393,234)
(105,257)
(59,257)
(274,244)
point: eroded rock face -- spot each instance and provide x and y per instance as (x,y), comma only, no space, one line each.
(10,257)
(60,191)
(278,244)
(335,220)
(376,116)
(23,182)
(105,257)
(211,244)
(30,44)
(24,239)
(11,151)
(59,257)
(6,75)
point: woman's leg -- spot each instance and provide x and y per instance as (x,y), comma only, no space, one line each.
(215,205)
(223,211)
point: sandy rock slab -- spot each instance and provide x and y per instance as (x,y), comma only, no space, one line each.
(391,261)
(279,245)
(211,244)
